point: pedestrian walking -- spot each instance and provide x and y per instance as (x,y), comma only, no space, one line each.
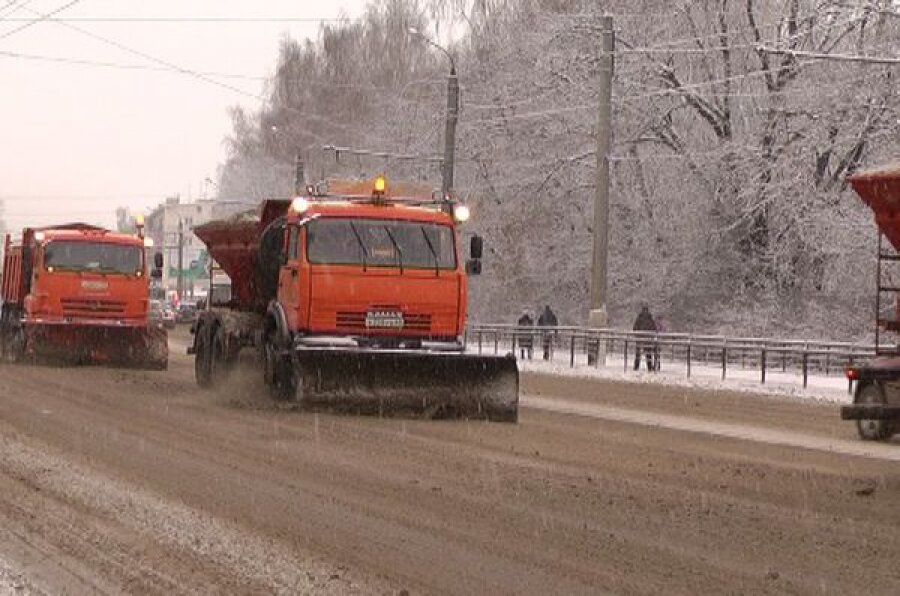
(547,319)
(525,335)
(645,323)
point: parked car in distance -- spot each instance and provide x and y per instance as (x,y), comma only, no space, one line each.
(156,313)
(168,316)
(186,313)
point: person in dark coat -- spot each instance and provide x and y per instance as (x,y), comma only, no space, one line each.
(644,322)
(526,340)
(547,319)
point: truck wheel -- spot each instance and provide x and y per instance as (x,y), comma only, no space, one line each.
(14,346)
(208,369)
(282,373)
(872,430)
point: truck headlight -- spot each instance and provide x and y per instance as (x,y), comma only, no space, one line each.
(461,213)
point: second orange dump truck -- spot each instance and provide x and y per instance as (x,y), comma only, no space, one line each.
(355,297)
(79,294)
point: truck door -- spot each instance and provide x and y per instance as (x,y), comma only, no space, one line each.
(289,280)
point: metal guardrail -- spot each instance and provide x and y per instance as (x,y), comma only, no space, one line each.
(582,347)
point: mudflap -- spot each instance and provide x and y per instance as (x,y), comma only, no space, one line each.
(428,385)
(155,351)
(143,348)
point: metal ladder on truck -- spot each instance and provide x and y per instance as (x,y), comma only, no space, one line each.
(887,283)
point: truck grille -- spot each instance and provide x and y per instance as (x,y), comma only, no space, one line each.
(89,307)
(356,321)
(417,322)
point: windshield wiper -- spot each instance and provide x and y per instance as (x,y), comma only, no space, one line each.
(437,265)
(396,246)
(362,244)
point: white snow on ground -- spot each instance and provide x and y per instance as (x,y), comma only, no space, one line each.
(828,388)
(11,583)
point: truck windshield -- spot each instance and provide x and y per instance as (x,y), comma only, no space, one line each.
(380,243)
(93,256)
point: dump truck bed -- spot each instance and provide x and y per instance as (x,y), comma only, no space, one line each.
(879,188)
(233,243)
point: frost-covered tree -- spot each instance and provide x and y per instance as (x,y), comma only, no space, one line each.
(730,146)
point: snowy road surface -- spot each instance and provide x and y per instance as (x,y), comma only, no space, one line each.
(745,432)
(128,481)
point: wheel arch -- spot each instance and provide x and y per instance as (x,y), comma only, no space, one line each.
(277,322)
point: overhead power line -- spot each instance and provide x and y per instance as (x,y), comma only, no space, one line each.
(146,56)
(166,69)
(195,19)
(41,17)
(834,57)
(8,5)
(187,71)
(121,66)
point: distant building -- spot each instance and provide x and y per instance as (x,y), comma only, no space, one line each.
(125,222)
(172,220)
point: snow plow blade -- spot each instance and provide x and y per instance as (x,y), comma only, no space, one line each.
(143,348)
(420,384)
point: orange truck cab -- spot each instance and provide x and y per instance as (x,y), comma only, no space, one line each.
(78,293)
(383,275)
(356,296)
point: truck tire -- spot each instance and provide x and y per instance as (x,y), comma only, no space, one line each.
(280,365)
(281,370)
(14,345)
(872,430)
(209,356)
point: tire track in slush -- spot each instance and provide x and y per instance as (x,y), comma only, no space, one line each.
(744,432)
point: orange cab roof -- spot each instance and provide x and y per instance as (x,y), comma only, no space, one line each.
(326,208)
(90,235)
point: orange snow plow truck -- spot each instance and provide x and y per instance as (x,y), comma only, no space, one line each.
(78,294)
(355,297)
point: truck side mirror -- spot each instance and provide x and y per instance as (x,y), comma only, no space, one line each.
(156,273)
(476,247)
(473,267)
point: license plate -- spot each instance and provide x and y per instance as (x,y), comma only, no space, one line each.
(381,319)
(94,285)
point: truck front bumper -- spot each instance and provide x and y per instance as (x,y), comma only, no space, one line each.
(870,412)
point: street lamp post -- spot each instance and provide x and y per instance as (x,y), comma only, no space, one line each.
(299,175)
(452,115)
(210,182)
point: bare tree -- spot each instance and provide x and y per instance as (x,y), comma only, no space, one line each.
(730,147)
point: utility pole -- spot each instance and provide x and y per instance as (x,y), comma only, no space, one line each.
(450,130)
(452,114)
(599,316)
(299,177)
(180,258)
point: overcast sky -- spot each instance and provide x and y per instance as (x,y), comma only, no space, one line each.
(78,140)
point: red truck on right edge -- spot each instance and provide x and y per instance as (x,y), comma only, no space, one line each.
(876,401)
